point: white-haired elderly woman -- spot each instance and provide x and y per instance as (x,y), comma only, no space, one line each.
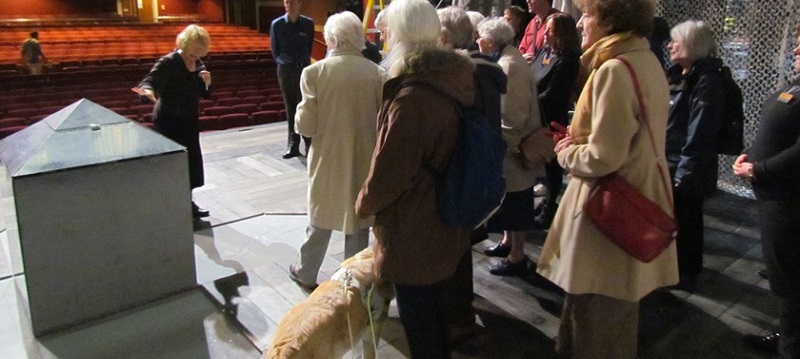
(380,24)
(695,115)
(175,84)
(475,18)
(339,107)
(417,132)
(372,50)
(520,116)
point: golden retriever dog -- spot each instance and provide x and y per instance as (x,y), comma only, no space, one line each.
(335,317)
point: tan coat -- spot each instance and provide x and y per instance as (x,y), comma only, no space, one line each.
(417,132)
(520,116)
(609,138)
(341,97)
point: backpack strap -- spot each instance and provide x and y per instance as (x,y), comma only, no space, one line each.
(646,122)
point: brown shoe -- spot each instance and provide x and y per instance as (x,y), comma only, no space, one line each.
(295,278)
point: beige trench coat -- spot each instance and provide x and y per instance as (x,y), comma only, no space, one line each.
(341,98)
(520,117)
(576,256)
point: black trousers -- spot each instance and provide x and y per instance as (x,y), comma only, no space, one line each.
(459,293)
(554,178)
(780,228)
(189,137)
(690,240)
(422,313)
(289,81)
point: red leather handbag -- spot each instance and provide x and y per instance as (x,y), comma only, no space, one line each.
(632,221)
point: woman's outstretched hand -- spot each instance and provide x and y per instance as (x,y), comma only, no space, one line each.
(146,93)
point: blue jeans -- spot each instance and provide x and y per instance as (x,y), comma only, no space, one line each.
(422,313)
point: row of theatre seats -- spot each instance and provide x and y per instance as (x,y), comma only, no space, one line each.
(133,45)
(241,97)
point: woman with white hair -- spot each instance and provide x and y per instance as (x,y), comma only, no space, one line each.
(341,97)
(520,117)
(417,133)
(695,117)
(475,18)
(380,24)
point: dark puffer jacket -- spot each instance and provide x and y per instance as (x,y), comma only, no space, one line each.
(695,116)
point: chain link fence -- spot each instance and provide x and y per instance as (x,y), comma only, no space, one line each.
(756,39)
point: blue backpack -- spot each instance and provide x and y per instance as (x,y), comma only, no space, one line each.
(472,186)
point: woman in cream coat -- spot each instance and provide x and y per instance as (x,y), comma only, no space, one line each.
(520,117)
(341,98)
(604,284)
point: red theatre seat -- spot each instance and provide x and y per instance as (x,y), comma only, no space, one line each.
(234,120)
(229,101)
(217,111)
(24,112)
(7,131)
(272,106)
(247,108)
(209,123)
(141,109)
(262,117)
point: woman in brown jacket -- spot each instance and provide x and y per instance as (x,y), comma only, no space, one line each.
(417,131)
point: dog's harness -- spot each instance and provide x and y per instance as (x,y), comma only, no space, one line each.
(344,276)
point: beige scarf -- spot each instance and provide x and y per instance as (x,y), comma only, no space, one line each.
(603,50)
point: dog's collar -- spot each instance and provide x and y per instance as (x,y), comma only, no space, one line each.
(343,275)
(374,302)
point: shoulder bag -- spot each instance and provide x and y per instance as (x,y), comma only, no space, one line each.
(632,221)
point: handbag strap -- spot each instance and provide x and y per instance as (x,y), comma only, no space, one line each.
(646,121)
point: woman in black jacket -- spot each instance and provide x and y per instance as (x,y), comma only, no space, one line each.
(695,115)
(772,164)
(556,71)
(175,84)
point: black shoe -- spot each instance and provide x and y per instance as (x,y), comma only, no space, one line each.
(291,153)
(497,250)
(544,220)
(458,332)
(763,273)
(198,212)
(767,343)
(687,284)
(539,208)
(507,268)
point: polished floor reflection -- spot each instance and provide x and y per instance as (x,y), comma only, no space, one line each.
(258,201)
